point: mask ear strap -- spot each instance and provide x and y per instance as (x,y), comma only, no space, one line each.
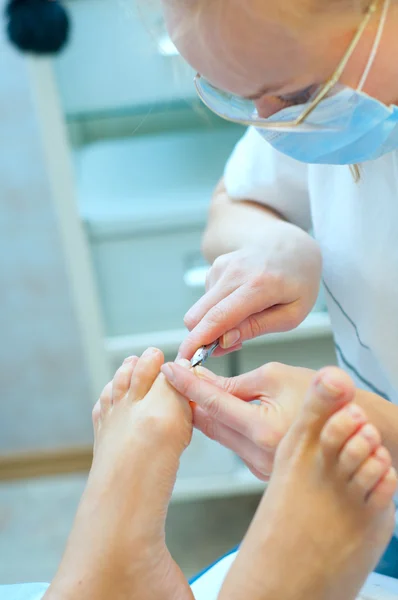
(376,44)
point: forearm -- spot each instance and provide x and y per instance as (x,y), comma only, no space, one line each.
(232,224)
(384,415)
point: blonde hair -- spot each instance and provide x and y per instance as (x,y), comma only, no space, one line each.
(293,13)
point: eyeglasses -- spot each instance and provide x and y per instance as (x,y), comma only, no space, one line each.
(244,112)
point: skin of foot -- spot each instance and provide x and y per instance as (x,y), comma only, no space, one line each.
(327,515)
(117,547)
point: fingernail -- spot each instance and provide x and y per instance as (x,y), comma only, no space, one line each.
(230,339)
(327,384)
(188,315)
(355,412)
(178,357)
(168,372)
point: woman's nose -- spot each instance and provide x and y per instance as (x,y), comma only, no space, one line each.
(268,106)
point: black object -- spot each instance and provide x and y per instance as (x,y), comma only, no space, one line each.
(37,26)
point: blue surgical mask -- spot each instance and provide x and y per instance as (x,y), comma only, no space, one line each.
(347,127)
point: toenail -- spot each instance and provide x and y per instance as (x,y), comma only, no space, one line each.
(355,412)
(205,374)
(128,359)
(150,351)
(368,432)
(183,362)
(393,472)
(327,384)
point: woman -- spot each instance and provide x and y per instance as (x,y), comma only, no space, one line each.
(317,84)
(331,460)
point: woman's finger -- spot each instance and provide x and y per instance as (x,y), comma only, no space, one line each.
(216,402)
(260,460)
(260,383)
(282,317)
(223,351)
(261,476)
(252,421)
(225,316)
(213,296)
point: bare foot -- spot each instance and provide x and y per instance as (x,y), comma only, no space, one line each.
(328,514)
(117,547)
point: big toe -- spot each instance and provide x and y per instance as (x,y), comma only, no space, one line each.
(167,398)
(330,390)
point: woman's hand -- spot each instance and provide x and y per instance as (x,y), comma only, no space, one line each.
(256,290)
(223,410)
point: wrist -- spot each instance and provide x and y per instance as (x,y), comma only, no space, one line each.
(233,225)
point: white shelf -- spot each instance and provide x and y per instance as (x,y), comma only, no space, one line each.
(317,325)
(239,483)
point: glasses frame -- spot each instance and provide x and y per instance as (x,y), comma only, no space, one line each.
(323,92)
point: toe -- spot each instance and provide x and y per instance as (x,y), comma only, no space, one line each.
(383,493)
(145,373)
(96,415)
(105,400)
(122,379)
(357,450)
(370,473)
(168,396)
(340,428)
(169,402)
(331,389)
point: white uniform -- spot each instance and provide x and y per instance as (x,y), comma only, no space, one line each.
(356,225)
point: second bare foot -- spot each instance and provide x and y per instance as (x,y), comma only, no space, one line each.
(328,514)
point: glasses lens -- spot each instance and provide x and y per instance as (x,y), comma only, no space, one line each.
(224,104)
(329,115)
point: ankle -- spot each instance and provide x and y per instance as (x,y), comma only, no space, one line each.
(69,586)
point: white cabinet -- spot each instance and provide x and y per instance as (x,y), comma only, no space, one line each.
(313,353)
(141,280)
(144,202)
